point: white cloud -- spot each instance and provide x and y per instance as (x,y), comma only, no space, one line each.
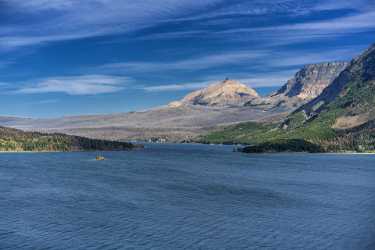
(68,19)
(71,19)
(307,31)
(196,63)
(361,19)
(247,61)
(300,58)
(343,4)
(259,80)
(43,102)
(77,85)
(176,87)
(269,79)
(43,4)
(355,22)
(4,64)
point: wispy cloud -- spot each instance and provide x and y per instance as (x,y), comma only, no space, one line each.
(258,80)
(68,19)
(77,85)
(306,31)
(355,22)
(196,63)
(4,64)
(251,9)
(246,60)
(46,101)
(343,4)
(300,58)
(176,87)
(360,20)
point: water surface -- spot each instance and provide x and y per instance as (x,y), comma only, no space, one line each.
(186,197)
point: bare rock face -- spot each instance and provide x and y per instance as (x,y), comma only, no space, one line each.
(307,84)
(354,87)
(310,82)
(223,94)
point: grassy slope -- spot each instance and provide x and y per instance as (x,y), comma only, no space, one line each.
(16,140)
(357,97)
(255,133)
(318,131)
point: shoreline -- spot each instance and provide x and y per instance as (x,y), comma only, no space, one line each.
(193,143)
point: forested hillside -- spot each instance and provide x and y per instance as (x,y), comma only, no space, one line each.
(17,140)
(341,118)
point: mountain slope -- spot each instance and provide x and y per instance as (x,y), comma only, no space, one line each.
(307,84)
(346,109)
(341,118)
(225,93)
(350,96)
(221,104)
(353,87)
(201,111)
(17,140)
(311,80)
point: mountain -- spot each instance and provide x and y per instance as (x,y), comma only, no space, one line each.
(17,140)
(341,118)
(225,93)
(345,111)
(307,83)
(352,91)
(203,110)
(221,104)
(311,80)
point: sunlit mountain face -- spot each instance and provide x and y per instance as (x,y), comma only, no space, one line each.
(66,57)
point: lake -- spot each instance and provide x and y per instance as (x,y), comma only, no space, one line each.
(186,197)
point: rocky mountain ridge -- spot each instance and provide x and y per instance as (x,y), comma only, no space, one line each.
(352,92)
(223,94)
(311,80)
(341,118)
(307,83)
(220,104)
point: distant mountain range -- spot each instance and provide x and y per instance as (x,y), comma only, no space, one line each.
(220,104)
(340,118)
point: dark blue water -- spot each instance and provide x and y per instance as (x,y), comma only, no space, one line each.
(187,197)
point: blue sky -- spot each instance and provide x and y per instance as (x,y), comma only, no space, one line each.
(70,57)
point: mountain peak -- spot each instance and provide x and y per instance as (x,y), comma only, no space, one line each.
(311,80)
(358,76)
(225,93)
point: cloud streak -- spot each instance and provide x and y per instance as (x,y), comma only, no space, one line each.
(176,87)
(261,59)
(272,79)
(77,85)
(69,20)
(360,20)
(196,63)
